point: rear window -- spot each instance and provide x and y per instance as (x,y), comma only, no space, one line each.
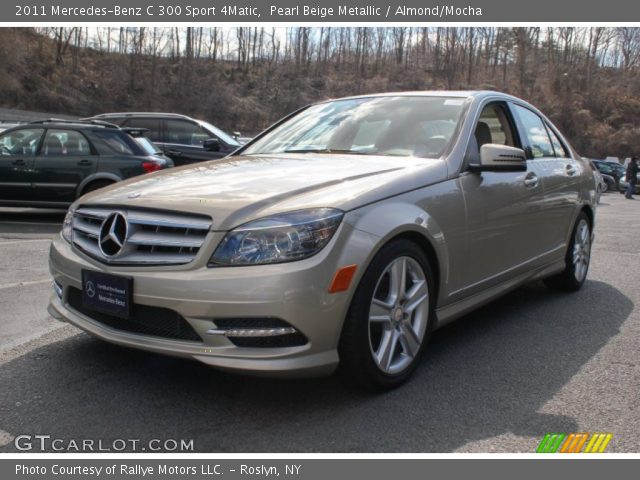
(147,145)
(115,142)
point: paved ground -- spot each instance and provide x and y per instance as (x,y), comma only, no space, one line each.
(533,362)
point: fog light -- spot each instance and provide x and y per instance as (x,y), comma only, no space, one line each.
(253,332)
(58,289)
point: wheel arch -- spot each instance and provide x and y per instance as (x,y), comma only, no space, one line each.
(391,222)
(588,211)
(94,178)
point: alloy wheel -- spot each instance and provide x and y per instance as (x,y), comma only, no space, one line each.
(581,250)
(398,315)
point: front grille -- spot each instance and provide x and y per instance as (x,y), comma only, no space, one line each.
(145,320)
(152,237)
(295,339)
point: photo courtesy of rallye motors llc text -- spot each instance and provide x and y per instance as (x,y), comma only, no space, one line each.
(142,471)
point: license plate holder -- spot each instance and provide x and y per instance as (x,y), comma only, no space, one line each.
(107,293)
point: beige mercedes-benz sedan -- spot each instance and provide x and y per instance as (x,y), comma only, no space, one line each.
(341,236)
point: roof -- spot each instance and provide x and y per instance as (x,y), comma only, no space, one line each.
(433,93)
(73,123)
(142,114)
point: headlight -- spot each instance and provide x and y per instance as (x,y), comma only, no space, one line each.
(67,225)
(279,238)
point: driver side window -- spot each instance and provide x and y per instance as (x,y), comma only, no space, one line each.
(21,142)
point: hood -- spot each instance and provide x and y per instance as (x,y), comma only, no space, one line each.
(239,189)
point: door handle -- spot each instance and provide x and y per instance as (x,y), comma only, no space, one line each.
(84,163)
(531,180)
(174,153)
(571,170)
(18,162)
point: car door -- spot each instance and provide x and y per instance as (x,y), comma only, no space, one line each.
(17,155)
(64,160)
(559,174)
(504,210)
(183,142)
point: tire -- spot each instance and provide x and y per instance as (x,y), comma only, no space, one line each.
(604,187)
(403,324)
(611,185)
(97,185)
(577,258)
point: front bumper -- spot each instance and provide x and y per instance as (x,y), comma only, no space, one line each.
(294,292)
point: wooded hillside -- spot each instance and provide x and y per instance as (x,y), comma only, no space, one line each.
(244,78)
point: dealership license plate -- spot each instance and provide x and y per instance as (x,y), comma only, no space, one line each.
(107,293)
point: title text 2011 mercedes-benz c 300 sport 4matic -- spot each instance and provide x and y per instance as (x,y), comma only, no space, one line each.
(343,235)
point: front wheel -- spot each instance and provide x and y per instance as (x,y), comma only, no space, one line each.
(577,259)
(390,318)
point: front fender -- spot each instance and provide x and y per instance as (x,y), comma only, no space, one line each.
(386,221)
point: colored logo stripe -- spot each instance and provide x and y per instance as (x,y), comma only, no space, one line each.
(574,442)
(598,443)
(550,443)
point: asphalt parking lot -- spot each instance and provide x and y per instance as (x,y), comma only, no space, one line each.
(533,362)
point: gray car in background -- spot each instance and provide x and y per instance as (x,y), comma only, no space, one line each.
(341,236)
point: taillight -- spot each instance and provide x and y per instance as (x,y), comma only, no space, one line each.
(151,166)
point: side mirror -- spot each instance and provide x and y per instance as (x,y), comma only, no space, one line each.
(211,144)
(500,158)
(236,135)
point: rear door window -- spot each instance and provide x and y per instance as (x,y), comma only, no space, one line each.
(66,143)
(151,124)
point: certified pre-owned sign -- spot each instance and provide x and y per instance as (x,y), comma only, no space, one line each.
(107,293)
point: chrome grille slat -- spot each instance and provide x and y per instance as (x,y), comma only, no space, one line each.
(82,225)
(153,237)
(170,220)
(93,213)
(165,239)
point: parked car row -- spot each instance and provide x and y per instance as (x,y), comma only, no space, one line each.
(623,185)
(181,138)
(612,173)
(50,163)
(611,176)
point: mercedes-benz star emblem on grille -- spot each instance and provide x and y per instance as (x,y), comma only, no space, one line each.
(113,234)
(90,289)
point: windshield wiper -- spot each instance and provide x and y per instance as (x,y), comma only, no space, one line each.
(324,150)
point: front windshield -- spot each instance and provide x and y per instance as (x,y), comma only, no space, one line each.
(404,126)
(147,145)
(225,137)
